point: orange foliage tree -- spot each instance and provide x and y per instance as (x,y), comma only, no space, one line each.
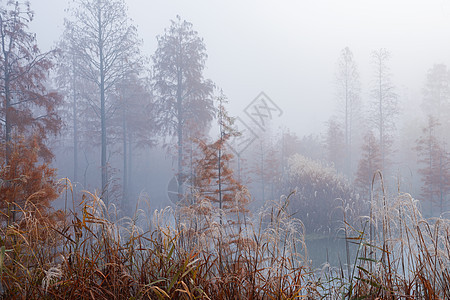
(435,161)
(214,179)
(26,184)
(27,108)
(27,114)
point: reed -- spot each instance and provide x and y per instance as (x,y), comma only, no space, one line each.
(91,253)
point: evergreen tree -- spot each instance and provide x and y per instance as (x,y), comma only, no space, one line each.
(183,96)
(435,161)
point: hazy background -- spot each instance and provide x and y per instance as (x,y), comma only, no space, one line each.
(289,49)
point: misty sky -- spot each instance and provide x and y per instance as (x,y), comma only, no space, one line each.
(289,49)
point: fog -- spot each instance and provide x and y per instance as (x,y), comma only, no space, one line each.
(289,49)
(225,149)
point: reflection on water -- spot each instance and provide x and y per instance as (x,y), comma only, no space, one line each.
(331,249)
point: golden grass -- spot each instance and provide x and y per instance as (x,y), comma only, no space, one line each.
(182,255)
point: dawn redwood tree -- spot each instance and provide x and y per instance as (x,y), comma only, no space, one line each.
(385,103)
(266,166)
(28,107)
(106,46)
(27,113)
(290,144)
(75,109)
(348,93)
(183,95)
(214,179)
(134,126)
(436,93)
(26,183)
(369,163)
(435,161)
(335,144)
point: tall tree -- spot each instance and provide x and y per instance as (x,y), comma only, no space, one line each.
(135,126)
(214,178)
(107,48)
(28,110)
(384,104)
(335,144)
(435,161)
(348,93)
(436,93)
(184,96)
(369,163)
(75,109)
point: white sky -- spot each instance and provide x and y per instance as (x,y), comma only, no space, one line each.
(289,49)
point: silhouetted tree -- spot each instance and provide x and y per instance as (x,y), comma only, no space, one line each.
(369,163)
(290,144)
(107,49)
(436,93)
(436,165)
(183,95)
(385,103)
(27,113)
(335,144)
(134,126)
(75,110)
(348,93)
(266,166)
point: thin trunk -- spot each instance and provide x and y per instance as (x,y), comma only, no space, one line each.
(180,122)
(6,75)
(347,154)
(130,165)
(191,175)
(262,174)
(220,159)
(220,175)
(430,162)
(441,192)
(85,170)
(75,129)
(239,166)
(8,109)
(381,123)
(102,111)
(125,163)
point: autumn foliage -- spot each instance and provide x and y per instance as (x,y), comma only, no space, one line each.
(26,183)
(214,179)
(435,165)
(28,116)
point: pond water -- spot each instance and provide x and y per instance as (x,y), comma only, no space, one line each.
(331,249)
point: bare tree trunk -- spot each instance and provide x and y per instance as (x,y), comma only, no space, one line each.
(8,108)
(347,141)
(130,165)
(75,129)
(381,124)
(102,112)
(125,164)
(180,132)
